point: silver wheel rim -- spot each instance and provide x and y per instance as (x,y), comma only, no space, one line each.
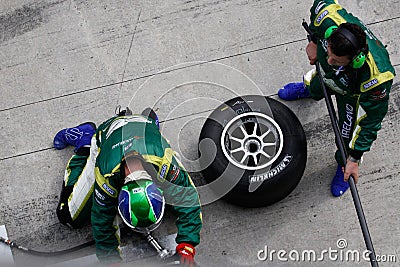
(252,141)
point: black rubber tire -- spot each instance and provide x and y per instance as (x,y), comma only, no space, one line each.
(288,172)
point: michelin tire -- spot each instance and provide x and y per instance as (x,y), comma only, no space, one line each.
(259,150)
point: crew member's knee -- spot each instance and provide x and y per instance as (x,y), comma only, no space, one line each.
(62,211)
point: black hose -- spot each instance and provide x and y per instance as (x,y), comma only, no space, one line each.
(12,244)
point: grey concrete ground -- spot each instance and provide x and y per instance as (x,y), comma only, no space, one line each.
(63,62)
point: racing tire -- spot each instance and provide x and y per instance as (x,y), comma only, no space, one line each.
(256,146)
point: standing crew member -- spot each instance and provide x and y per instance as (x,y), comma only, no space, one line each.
(356,68)
(126,166)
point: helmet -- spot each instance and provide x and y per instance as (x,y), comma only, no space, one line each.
(141,205)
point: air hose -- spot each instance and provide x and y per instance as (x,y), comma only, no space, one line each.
(12,244)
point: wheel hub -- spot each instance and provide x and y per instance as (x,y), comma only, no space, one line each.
(252,145)
(252,141)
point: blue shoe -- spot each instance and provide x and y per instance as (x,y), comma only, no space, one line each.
(78,136)
(293,91)
(338,185)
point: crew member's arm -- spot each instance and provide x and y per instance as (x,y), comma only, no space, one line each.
(317,29)
(182,195)
(373,106)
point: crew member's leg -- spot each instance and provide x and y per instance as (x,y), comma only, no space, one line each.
(347,110)
(76,194)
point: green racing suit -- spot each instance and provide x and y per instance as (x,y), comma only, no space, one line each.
(362,94)
(92,183)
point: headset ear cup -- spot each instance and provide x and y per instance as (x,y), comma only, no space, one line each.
(329,31)
(358,61)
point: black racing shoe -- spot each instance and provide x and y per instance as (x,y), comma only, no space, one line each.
(148,112)
(124,112)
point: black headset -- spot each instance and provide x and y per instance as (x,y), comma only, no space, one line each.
(360,56)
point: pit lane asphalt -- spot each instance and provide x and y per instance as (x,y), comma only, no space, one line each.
(66,62)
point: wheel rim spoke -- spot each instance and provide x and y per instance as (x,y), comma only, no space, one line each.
(244,157)
(255,129)
(265,154)
(243,131)
(240,149)
(265,134)
(255,159)
(269,144)
(236,139)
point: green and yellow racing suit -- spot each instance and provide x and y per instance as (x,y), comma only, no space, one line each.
(95,182)
(362,94)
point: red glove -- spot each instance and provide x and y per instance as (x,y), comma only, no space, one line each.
(186,253)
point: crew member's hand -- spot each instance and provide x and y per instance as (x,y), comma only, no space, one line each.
(311,51)
(186,253)
(351,169)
